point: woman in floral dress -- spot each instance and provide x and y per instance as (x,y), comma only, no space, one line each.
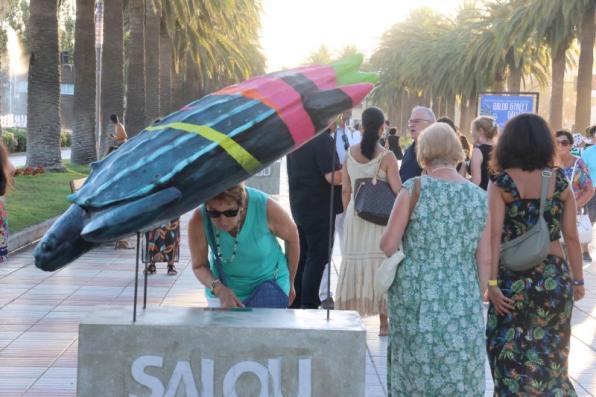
(436,344)
(578,174)
(163,245)
(528,327)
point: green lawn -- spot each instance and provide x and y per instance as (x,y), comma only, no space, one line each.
(37,198)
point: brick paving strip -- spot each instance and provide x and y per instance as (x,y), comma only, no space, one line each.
(40,313)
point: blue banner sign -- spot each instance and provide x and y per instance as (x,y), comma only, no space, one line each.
(504,107)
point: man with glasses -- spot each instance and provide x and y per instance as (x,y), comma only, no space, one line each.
(310,177)
(420,118)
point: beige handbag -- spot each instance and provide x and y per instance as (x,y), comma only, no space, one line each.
(385,274)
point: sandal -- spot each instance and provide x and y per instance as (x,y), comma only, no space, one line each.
(150,269)
(172,270)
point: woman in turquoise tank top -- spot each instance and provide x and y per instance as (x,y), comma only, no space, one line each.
(246,225)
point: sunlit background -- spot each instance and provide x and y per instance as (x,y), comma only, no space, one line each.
(294,29)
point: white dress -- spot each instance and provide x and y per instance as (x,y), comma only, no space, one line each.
(361,252)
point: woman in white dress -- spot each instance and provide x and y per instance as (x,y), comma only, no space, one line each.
(361,253)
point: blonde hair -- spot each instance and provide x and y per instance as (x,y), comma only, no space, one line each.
(438,143)
(487,124)
(235,194)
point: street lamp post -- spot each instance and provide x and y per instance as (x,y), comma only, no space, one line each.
(98,55)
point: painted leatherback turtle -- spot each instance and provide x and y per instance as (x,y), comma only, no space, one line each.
(211,144)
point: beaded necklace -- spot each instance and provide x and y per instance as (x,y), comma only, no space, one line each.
(235,246)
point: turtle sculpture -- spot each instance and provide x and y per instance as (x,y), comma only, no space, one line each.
(204,148)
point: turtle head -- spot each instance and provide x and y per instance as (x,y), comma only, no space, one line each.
(62,243)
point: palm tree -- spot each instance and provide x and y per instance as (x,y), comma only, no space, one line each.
(587,31)
(84,150)
(112,69)
(321,56)
(43,99)
(165,70)
(135,90)
(152,63)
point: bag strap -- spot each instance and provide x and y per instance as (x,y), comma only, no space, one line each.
(385,151)
(574,170)
(546,174)
(414,197)
(211,242)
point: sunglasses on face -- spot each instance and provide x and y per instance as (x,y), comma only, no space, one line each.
(563,142)
(227,213)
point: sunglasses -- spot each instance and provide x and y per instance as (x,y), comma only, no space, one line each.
(227,213)
(416,121)
(564,142)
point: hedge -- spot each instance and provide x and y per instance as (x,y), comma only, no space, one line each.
(15,139)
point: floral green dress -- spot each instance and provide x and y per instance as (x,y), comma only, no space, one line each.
(436,344)
(528,348)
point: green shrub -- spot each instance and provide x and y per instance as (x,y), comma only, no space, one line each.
(10,141)
(65,139)
(21,137)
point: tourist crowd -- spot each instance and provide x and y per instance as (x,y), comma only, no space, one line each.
(498,221)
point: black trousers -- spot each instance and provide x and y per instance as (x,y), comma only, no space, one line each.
(314,252)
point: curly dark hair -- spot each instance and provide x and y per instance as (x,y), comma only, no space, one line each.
(527,142)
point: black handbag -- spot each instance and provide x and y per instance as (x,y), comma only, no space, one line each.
(373,199)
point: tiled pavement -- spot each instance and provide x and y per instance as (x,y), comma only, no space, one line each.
(40,312)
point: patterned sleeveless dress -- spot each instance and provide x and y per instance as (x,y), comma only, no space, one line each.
(528,348)
(436,344)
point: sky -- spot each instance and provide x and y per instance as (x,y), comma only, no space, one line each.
(292,29)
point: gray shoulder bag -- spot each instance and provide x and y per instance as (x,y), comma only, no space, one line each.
(531,248)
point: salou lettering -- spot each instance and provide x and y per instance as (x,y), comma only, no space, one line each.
(182,374)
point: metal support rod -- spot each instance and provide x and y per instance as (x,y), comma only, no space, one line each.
(145,286)
(134,308)
(331,217)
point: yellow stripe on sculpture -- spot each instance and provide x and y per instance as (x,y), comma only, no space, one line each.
(235,150)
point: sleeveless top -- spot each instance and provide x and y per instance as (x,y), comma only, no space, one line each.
(486,150)
(358,170)
(521,214)
(258,255)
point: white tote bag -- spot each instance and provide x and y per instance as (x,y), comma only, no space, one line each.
(385,274)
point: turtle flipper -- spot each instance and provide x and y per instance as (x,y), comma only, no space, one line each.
(127,218)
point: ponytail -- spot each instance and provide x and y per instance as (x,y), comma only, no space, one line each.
(372,120)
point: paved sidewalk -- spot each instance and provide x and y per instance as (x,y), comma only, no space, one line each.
(40,313)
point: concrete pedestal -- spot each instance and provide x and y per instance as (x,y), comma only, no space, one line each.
(212,353)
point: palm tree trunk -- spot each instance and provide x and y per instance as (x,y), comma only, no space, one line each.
(556,96)
(112,70)
(84,150)
(43,99)
(499,83)
(584,71)
(177,87)
(514,80)
(152,25)
(450,107)
(165,71)
(135,90)
(463,117)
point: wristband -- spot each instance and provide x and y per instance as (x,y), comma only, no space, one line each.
(214,284)
(492,283)
(578,283)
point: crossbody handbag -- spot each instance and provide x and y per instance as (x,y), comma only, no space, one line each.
(374,198)
(531,248)
(385,274)
(268,294)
